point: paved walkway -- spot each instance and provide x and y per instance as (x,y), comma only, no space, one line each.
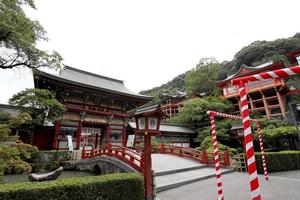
(281,186)
(167,162)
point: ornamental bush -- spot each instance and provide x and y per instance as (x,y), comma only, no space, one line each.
(123,186)
(279,161)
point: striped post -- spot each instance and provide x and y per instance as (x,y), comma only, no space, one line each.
(251,164)
(259,136)
(283,73)
(226,115)
(216,155)
(263,157)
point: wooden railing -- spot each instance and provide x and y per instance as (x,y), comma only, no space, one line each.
(129,156)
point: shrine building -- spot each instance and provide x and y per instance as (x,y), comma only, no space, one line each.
(265,96)
(96,109)
(170,104)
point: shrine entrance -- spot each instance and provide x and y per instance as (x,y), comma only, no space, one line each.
(92,136)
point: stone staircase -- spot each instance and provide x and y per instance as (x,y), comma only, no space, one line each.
(173,171)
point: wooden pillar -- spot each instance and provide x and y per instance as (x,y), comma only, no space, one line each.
(251,102)
(265,104)
(56,133)
(78,135)
(281,104)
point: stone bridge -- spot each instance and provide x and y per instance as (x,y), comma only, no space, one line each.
(103,165)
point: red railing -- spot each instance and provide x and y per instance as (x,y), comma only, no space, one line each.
(199,156)
(130,157)
(135,159)
(232,90)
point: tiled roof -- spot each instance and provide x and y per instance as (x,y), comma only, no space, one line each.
(86,79)
(12,110)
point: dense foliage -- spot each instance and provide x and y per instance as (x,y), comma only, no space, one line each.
(14,155)
(19,36)
(207,145)
(262,51)
(34,105)
(279,161)
(203,78)
(194,111)
(125,186)
(39,103)
(14,158)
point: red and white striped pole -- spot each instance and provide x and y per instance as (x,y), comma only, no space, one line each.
(251,163)
(283,73)
(216,155)
(259,136)
(226,115)
(263,157)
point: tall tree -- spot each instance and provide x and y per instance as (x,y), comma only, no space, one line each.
(203,78)
(19,36)
(40,104)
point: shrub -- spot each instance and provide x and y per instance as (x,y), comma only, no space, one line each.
(208,146)
(125,186)
(10,161)
(279,161)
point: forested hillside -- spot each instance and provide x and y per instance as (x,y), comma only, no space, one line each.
(201,77)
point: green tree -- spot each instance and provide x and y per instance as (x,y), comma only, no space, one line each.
(260,52)
(14,155)
(203,78)
(19,36)
(4,117)
(40,104)
(194,111)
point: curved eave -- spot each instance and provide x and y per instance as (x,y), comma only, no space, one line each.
(57,78)
(274,66)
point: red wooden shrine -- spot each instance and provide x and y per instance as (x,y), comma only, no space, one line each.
(96,107)
(265,96)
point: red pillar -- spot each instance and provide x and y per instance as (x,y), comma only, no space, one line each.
(204,157)
(147,167)
(78,135)
(107,134)
(226,158)
(56,133)
(124,136)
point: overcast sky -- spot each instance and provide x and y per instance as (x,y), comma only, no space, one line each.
(147,43)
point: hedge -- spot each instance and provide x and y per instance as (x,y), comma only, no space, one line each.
(279,161)
(122,186)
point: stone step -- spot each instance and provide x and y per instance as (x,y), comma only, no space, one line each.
(169,181)
(167,172)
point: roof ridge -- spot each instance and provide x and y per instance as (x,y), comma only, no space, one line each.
(91,74)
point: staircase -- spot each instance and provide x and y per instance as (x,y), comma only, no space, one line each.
(172,171)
